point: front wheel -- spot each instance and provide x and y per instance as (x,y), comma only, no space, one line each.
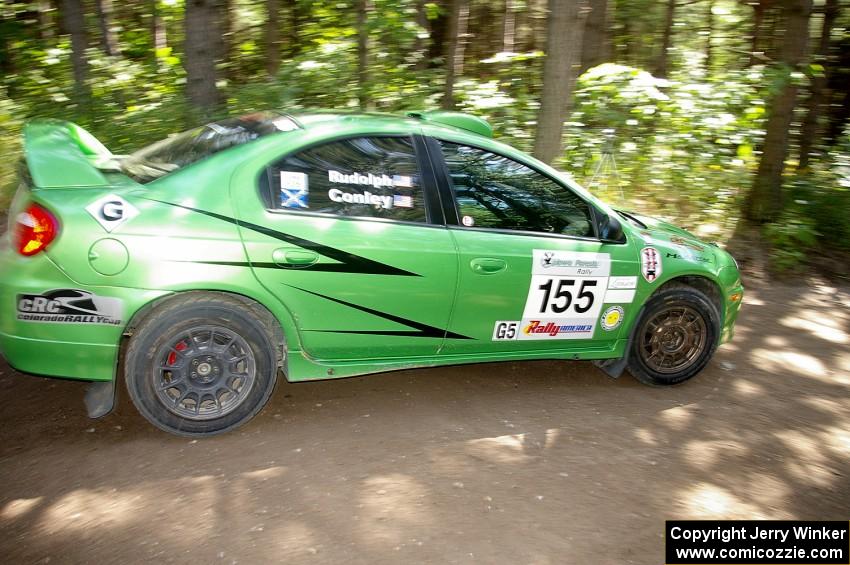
(675,336)
(201,365)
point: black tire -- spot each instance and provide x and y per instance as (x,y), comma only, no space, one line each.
(202,364)
(679,323)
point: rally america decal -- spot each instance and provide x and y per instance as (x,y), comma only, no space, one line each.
(70,306)
(650,263)
(565,296)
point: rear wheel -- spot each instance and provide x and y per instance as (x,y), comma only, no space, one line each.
(201,365)
(675,337)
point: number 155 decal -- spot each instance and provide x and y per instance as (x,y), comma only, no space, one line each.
(564,297)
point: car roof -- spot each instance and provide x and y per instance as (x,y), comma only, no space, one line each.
(450,121)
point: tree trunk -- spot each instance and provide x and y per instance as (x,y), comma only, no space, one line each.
(420,46)
(810,130)
(76,26)
(202,33)
(594,45)
(437,49)
(838,111)
(454,57)
(709,16)
(538,15)
(272,37)
(840,118)
(224,40)
(363,9)
(560,68)
(158,34)
(764,203)
(108,38)
(771,38)
(45,19)
(509,28)
(666,40)
(296,20)
(758,23)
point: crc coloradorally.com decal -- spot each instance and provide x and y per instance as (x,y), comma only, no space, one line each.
(612,318)
(293,189)
(70,306)
(111,211)
(565,295)
(650,263)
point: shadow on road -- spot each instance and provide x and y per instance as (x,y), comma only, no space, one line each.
(541,462)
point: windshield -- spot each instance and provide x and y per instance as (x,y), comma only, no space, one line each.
(173,153)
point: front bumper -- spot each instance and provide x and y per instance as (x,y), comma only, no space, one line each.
(733,298)
(733,308)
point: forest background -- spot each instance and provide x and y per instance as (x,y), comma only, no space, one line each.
(729,117)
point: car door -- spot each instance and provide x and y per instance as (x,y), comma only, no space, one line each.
(532,274)
(345,234)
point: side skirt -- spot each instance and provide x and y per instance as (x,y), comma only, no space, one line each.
(302,368)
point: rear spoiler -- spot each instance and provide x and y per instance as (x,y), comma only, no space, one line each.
(61,154)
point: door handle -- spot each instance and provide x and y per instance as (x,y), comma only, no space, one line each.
(294,258)
(487,265)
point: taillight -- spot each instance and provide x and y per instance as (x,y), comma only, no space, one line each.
(35,228)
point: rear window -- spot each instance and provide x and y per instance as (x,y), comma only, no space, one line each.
(183,149)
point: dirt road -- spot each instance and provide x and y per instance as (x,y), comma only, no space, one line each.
(543,462)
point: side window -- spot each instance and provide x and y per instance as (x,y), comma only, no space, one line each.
(372,177)
(493,191)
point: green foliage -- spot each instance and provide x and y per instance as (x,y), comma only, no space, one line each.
(685,147)
(818,213)
(791,239)
(10,129)
(508,97)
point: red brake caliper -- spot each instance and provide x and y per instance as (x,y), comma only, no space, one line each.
(172,357)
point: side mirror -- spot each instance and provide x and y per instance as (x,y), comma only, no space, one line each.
(611,230)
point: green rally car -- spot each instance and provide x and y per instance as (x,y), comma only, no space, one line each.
(327,245)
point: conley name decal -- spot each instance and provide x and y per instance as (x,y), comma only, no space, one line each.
(386,201)
(366,197)
(70,306)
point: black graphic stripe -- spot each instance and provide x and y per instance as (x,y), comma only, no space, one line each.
(348,262)
(423,330)
(323,267)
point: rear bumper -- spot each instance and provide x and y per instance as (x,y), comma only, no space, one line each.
(43,346)
(85,361)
